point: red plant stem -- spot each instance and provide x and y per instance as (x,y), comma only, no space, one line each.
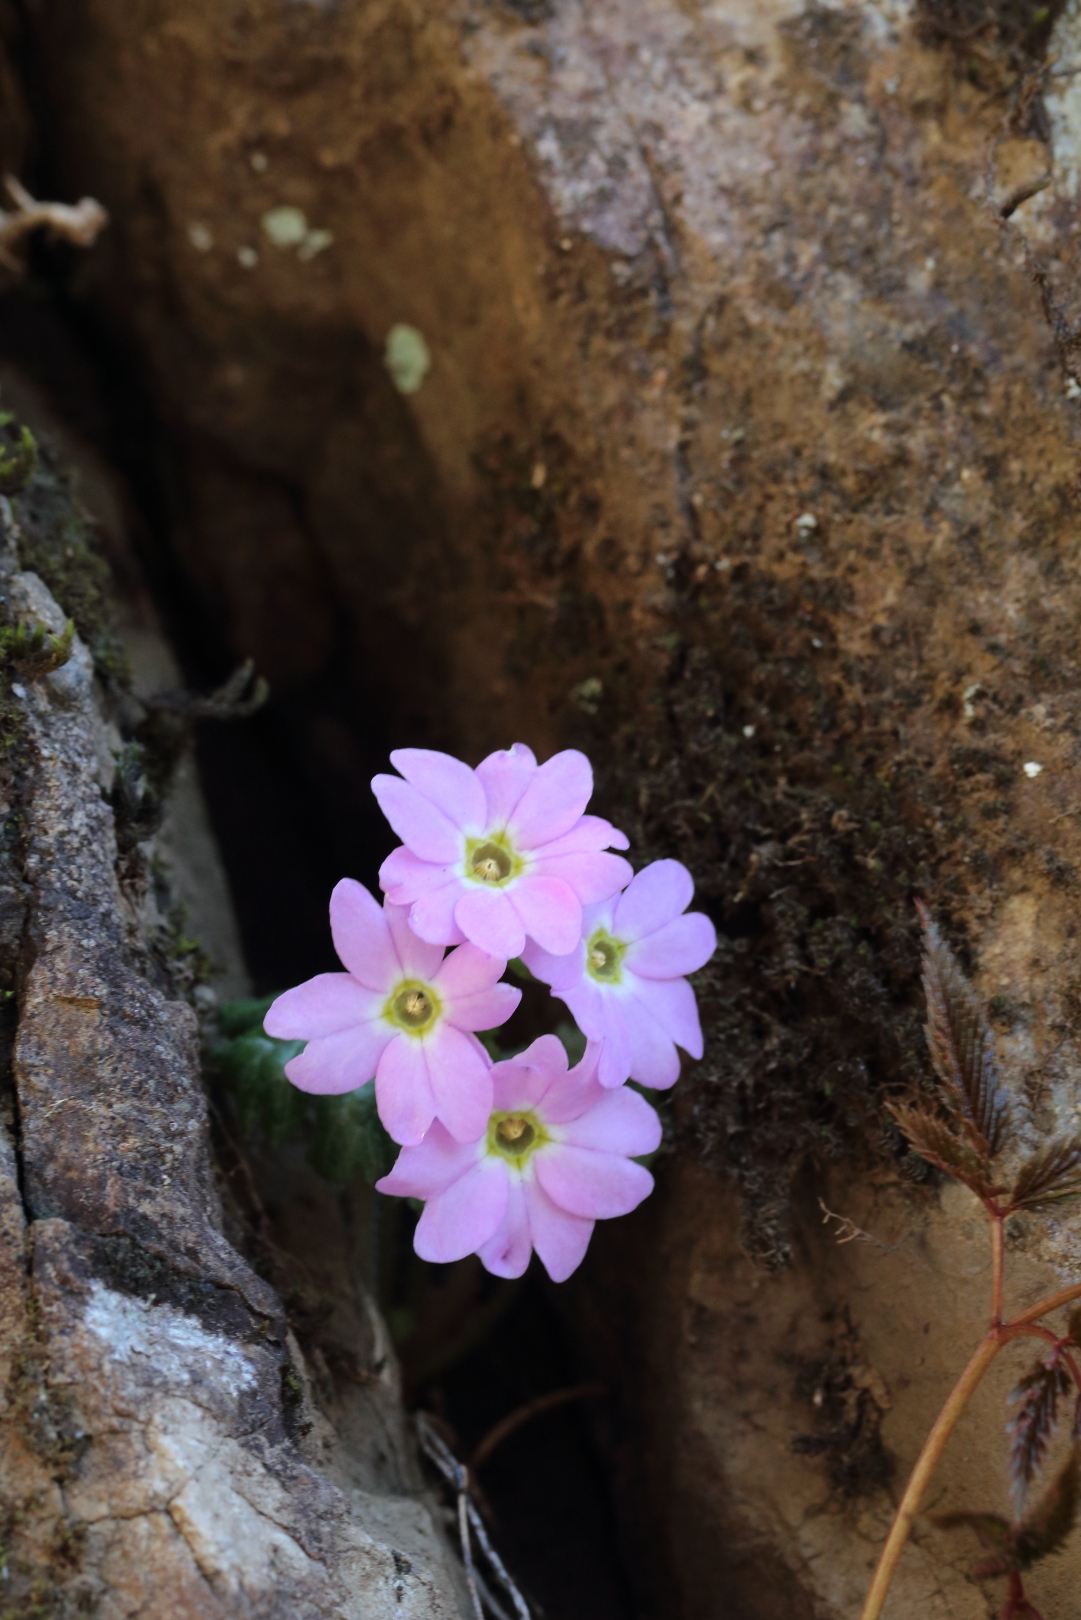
(998,1262)
(1001,1333)
(1053,1302)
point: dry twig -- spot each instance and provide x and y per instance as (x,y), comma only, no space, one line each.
(470,1524)
(80,224)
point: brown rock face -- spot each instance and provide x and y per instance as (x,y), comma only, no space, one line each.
(743,454)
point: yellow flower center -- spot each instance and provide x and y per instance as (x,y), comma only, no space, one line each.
(492,860)
(413,1006)
(604,957)
(515,1136)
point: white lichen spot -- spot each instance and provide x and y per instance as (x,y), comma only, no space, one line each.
(315,242)
(200,236)
(806,523)
(259,162)
(247,258)
(1031,769)
(968,695)
(1073,388)
(158,1339)
(748,731)
(406,357)
(286,227)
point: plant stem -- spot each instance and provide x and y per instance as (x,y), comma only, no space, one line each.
(998,1256)
(1053,1302)
(1001,1333)
(932,1450)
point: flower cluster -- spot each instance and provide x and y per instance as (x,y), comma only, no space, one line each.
(499,863)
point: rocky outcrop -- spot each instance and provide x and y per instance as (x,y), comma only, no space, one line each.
(726,431)
(162,1450)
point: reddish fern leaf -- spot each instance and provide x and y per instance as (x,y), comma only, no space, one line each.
(935,1142)
(1052,1174)
(962,1047)
(1045,1529)
(1033,1428)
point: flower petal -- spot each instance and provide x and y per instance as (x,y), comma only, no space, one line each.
(681,946)
(574,1092)
(450,785)
(620,1121)
(487,1009)
(462,1219)
(460,1077)
(321,1006)
(419,959)
(560,1240)
(341,1062)
(466,971)
(507,1254)
(554,970)
(593,1185)
(654,1060)
(504,776)
(429,1167)
(672,1004)
(617,1055)
(361,936)
(403,876)
(589,1005)
(521,1081)
(588,833)
(554,799)
(403,1092)
(487,917)
(657,894)
(432,913)
(593,876)
(418,823)
(550,911)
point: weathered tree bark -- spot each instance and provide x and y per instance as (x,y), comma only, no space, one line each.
(162,1453)
(747,456)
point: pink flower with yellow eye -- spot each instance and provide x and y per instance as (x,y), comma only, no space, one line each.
(499,854)
(556,1156)
(404,1013)
(624,981)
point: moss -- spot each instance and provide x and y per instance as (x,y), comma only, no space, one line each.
(57,542)
(18,455)
(775,768)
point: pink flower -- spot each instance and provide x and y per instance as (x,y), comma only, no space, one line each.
(500,853)
(404,1013)
(624,982)
(555,1158)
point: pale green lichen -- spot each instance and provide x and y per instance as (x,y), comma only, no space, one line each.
(407,358)
(285,227)
(288,228)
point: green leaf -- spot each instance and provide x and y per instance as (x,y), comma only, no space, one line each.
(350,1137)
(235,1017)
(962,1047)
(935,1142)
(1051,1175)
(1032,1430)
(266,1104)
(1045,1530)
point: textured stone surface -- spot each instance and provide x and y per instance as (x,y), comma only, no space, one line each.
(162,1451)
